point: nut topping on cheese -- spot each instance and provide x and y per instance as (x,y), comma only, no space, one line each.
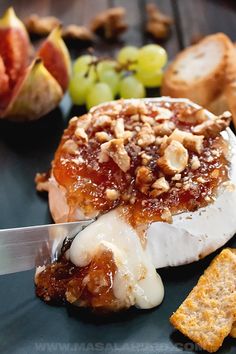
(175,158)
(211,128)
(163,113)
(119,128)
(81,135)
(70,147)
(116,150)
(190,141)
(149,156)
(146,136)
(165,128)
(160,186)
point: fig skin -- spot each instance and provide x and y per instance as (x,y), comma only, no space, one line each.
(35,95)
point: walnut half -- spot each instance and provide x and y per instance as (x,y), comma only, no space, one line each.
(158,24)
(109,23)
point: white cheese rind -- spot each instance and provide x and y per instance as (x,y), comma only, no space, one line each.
(136,281)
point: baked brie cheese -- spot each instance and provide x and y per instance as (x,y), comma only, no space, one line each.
(159,175)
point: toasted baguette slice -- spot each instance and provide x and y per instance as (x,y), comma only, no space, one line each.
(198,73)
(207,314)
(233,330)
(230,84)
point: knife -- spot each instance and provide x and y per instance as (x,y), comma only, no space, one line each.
(26,247)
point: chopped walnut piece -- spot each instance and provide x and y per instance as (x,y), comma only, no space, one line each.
(142,108)
(70,147)
(191,142)
(135,108)
(199,116)
(159,140)
(103,137)
(81,135)
(158,24)
(147,119)
(112,194)
(83,121)
(163,113)
(102,121)
(74,32)
(132,110)
(144,179)
(146,136)
(160,186)
(166,215)
(164,143)
(212,127)
(175,158)
(103,155)
(145,158)
(119,128)
(116,151)
(135,117)
(195,163)
(165,128)
(128,135)
(194,143)
(176,177)
(41,26)
(201,180)
(73,120)
(110,23)
(42,182)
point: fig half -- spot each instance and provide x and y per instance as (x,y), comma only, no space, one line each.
(36,94)
(56,59)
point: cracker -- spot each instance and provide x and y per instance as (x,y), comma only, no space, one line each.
(208,313)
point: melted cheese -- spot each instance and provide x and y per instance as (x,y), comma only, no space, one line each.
(136,281)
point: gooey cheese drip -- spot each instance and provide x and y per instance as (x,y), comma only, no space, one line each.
(136,281)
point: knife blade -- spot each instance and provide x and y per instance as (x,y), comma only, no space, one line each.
(25,247)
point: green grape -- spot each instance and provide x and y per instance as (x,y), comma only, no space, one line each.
(131,87)
(151,58)
(98,93)
(128,54)
(150,79)
(112,79)
(107,73)
(81,66)
(105,65)
(78,88)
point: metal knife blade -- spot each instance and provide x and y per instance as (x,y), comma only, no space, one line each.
(25,247)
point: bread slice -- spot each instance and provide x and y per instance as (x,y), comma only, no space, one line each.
(198,73)
(233,330)
(230,82)
(208,313)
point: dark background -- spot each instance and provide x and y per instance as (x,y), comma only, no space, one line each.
(25,322)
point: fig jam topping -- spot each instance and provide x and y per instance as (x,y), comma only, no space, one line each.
(90,286)
(152,158)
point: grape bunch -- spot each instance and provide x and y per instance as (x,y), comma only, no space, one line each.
(97,80)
